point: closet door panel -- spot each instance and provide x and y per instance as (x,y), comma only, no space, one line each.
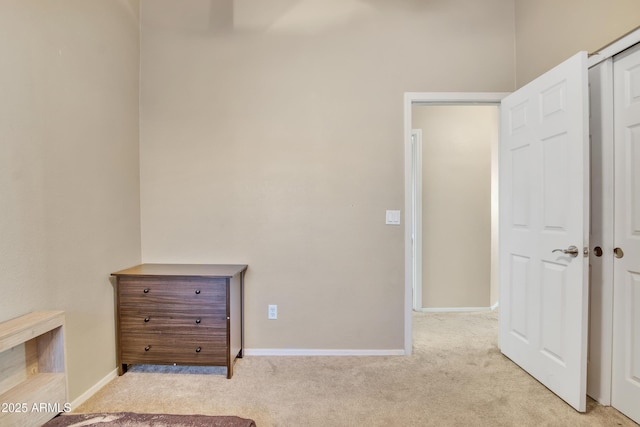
(601,230)
(626,323)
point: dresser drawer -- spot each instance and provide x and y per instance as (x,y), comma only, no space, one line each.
(167,349)
(152,290)
(173,319)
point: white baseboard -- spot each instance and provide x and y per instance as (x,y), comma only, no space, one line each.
(495,306)
(94,389)
(319,352)
(453,309)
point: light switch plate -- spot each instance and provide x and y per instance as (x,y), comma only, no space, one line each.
(393,217)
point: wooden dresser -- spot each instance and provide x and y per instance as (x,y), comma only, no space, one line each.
(180,314)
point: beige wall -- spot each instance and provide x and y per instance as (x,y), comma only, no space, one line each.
(69,183)
(456,203)
(275,139)
(550,31)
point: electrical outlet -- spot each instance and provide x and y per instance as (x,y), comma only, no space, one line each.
(273,311)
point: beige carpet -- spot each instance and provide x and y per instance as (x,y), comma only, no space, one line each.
(456,377)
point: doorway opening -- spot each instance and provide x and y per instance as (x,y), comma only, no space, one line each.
(448,191)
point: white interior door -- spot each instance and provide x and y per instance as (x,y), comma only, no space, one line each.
(544,207)
(625,393)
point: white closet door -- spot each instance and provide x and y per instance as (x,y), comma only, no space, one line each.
(544,208)
(601,256)
(625,395)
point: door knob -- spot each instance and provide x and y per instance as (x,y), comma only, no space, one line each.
(619,253)
(571,250)
(597,251)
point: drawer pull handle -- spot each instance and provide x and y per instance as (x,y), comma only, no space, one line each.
(146,319)
(198,321)
(147,348)
(198,349)
(197,291)
(146,291)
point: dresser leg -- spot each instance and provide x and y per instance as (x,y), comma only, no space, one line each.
(122,369)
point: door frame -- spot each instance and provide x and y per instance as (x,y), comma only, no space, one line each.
(416,207)
(425,98)
(615,47)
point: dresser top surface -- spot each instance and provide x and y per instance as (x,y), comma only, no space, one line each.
(194,270)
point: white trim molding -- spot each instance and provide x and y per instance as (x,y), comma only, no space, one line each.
(416,235)
(319,352)
(94,389)
(433,98)
(455,310)
(614,48)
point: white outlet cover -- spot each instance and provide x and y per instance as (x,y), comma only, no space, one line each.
(272,311)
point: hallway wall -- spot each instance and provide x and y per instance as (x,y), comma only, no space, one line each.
(456,203)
